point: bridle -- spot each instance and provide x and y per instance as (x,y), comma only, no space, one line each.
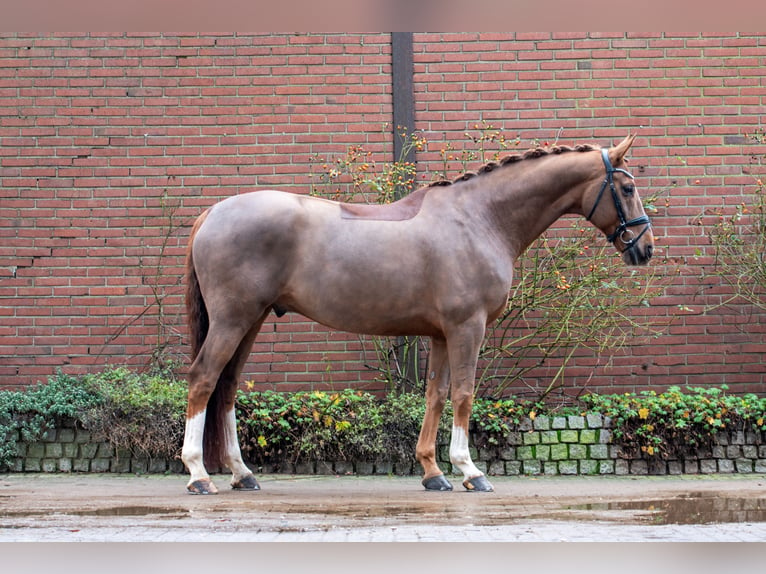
(626,236)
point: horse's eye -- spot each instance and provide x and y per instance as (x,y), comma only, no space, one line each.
(628,189)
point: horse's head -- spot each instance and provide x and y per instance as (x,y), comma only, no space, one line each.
(613,205)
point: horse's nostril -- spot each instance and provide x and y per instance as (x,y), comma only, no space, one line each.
(649,251)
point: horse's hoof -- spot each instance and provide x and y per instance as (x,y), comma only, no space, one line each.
(437,482)
(202,486)
(246,483)
(478,484)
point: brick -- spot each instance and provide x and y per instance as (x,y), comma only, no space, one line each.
(506,453)
(514,438)
(35,450)
(576,422)
(549,437)
(750,451)
(66,435)
(531,438)
(100,464)
(157,465)
(691,466)
(578,451)
(70,450)
(533,467)
(496,467)
(743,465)
(54,450)
(542,452)
(559,452)
(558,423)
(598,451)
(588,467)
(587,436)
(88,450)
(594,420)
(569,436)
(525,453)
(542,423)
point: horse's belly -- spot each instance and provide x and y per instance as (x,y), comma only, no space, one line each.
(356,309)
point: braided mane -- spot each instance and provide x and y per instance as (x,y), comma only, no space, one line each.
(514,158)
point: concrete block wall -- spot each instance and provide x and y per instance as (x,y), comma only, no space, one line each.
(571,445)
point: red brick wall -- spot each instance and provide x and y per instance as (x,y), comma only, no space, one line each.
(110,145)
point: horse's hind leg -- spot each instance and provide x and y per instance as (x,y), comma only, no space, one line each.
(242,477)
(436,396)
(222,343)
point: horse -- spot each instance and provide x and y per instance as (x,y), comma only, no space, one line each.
(437,263)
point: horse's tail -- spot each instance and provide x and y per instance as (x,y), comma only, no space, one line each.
(198,325)
(196,311)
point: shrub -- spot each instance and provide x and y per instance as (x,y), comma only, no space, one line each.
(497,418)
(669,423)
(739,241)
(143,413)
(31,413)
(302,426)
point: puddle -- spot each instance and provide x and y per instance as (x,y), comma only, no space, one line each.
(131,511)
(368,511)
(111,511)
(693,508)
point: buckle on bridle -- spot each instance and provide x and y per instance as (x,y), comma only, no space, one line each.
(622,229)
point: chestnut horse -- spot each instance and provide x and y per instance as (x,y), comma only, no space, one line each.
(437,263)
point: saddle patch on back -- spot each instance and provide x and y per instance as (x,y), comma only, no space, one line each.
(406,208)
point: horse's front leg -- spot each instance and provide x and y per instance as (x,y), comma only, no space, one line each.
(437,388)
(463,348)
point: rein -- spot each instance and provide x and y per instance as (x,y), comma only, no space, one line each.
(626,236)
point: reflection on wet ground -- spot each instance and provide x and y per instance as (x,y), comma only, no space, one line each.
(691,508)
(109,511)
(694,508)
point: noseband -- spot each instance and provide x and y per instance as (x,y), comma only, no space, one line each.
(626,236)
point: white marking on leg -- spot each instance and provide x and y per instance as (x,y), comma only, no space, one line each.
(233,455)
(191,453)
(459,454)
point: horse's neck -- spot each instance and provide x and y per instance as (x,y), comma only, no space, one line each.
(524,203)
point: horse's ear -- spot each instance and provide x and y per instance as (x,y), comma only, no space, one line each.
(618,152)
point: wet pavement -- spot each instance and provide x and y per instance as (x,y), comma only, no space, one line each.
(129,508)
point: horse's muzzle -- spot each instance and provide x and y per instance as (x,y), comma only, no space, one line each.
(636,255)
